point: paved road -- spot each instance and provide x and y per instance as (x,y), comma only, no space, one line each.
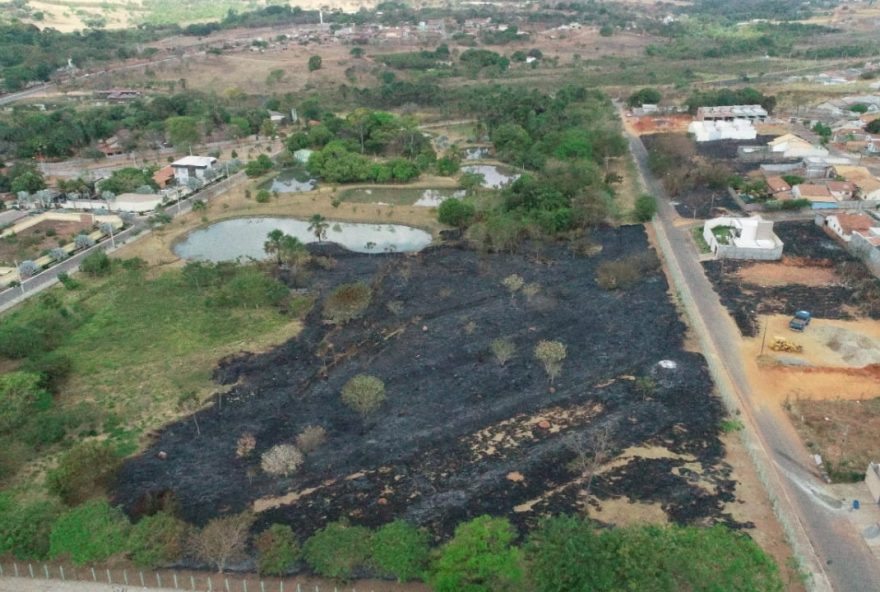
(833,552)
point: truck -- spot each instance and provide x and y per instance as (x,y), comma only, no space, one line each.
(800,321)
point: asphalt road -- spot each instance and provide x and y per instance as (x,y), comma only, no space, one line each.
(833,552)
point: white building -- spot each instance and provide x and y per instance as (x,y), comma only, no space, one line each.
(711,131)
(742,238)
(192,166)
(732,112)
(792,146)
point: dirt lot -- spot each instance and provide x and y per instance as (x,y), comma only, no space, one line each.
(32,242)
(460,435)
(660,124)
(809,254)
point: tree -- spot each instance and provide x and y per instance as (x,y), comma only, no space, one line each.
(551,354)
(189,403)
(157,540)
(470,182)
(88,533)
(282,459)
(272,246)
(356,52)
(183,131)
(363,393)
(310,438)
(591,452)
(223,539)
(347,302)
(96,264)
(25,529)
(127,180)
(645,208)
(337,550)
(83,472)
(873,126)
(21,395)
(29,181)
(455,212)
(400,549)
(503,349)
(314,63)
(318,226)
(479,558)
(277,550)
(646,95)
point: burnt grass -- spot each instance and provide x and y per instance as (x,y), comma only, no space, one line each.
(805,241)
(457,430)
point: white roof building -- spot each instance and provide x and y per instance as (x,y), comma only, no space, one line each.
(792,146)
(732,112)
(711,131)
(742,238)
(192,166)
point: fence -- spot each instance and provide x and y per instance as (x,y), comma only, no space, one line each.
(186,581)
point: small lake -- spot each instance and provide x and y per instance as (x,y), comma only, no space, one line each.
(478,153)
(242,238)
(404,196)
(295,180)
(494,177)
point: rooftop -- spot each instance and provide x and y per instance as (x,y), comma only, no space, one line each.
(195,161)
(855,222)
(814,191)
(777,184)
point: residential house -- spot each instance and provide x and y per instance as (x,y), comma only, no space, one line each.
(163,176)
(867,185)
(841,190)
(110,147)
(793,146)
(844,225)
(276,117)
(713,130)
(823,166)
(818,195)
(777,185)
(742,238)
(192,166)
(732,112)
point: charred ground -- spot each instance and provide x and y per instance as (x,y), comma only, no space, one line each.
(459,435)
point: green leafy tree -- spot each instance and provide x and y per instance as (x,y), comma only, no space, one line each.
(25,529)
(83,472)
(183,130)
(96,264)
(28,181)
(21,395)
(337,550)
(400,549)
(873,126)
(356,52)
(157,540)
(314,63)
(89,533)
(646,95)
(128,180)
(645,208)
(363,393)
(318,226)
(277,550)
(479,558)
(456,212)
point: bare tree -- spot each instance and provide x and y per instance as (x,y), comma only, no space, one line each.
(282,459)
(591,452)
(513,283)
(310,438)
(551,354)
(188,402)
(245,445)
(503,349)
(223,539)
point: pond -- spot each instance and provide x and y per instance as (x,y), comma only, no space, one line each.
(403,196)
(295,180)
(494,177)
(477,153)
(242,238)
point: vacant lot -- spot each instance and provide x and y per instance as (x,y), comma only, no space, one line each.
(461,435)
(32,242)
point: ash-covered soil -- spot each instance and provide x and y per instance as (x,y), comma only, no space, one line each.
(808,243)
(459,435)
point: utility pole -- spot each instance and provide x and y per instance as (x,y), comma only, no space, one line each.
(764,338)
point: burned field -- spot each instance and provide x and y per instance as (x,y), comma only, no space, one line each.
(853,292)
(459,435)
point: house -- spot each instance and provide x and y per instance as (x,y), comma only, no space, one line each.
(793,146)
(867,185)
(841,190)
(163,176)
(110,147)
(844,225)
(742,238)
(732,112)
(872,479)
(823,166)
(818,195)
(276,117)
(713,130)
(777,185)
(192,166)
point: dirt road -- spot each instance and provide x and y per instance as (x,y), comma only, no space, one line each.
(834,554)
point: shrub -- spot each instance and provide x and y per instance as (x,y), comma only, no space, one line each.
(347,302)
(622,274)
(645,208)
(551,354)
(83,241)
(363,393)
(503,349)
(513,283)
(24,530)
(282,459)
(96,264)
(263,196)
(337,550)
(251,288)
(277,550)
(455,212)
(91,532)
(52,367)
(480,557)
(245,445)
(310,438)
(21,395)
(67,281)
(157,540)
(83,472)
(314,63)
(400,549)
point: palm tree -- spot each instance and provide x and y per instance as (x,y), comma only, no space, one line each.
(318,226)
(273,244)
